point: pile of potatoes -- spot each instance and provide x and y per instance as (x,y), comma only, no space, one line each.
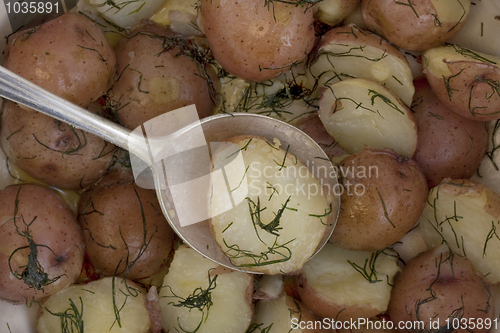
(404,97)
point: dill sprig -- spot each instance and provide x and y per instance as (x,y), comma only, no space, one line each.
(273,226)
(32,274)
(260,259)
(71,319)
(409,4)
(368,270)
(384,99)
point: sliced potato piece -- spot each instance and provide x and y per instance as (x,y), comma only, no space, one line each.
(466,215)
(127,14)
(285,313)
(111,304)
(360,113)
(466,81)
(480,30)
(344,284)
(348,52)
(197,294)
(284,217)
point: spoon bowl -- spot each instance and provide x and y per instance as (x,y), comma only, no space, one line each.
(165,153)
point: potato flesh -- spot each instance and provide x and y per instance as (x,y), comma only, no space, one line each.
(488,172)
(94,302)
(362,119)
(364,61)
(129,13)
(330,274)
(231,310)
(480,30)
(272,186)
(274,314)
(451,10)
(462,221)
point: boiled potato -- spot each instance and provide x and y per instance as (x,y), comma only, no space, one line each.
(464,80)
(157,74)
(465,215)
(359,113)
(441,291)
(108,305)
(68,56)
(197,294)
(125,231)
(180,15)
(255,41)
(383,197)
(480,30)
(347,52)
(52,151)
(449,146)
(42,246)
(343,285)
(281,314)
(410,245)
(269,287)
(333,12)
(415,25)
(279,224)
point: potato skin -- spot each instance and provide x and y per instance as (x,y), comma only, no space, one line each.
(52,151)
(413,27)
(440,285)
(388,203)
(449,145)
(68,56)
(53,228)
(468,88)
(115,234)
(254,41)
(154,80)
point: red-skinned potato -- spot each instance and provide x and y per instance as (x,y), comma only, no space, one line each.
(415,25)
(42,246)
(466,81)
(384,195)
(449,146)
(334,284)
(68,56)
(256,41)
(157,76)
(125,231)
(441,290)
(51,151)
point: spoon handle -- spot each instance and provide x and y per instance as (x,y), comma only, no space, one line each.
(22,91)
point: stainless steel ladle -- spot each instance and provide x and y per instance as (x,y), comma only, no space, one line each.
(217,128)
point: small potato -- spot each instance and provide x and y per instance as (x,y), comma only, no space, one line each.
(465,81)
(415,25)
(333,12)
(344,285)
(109,304)
(348,51)
(157,75)
(125,231)
(283,313)
(383,197)
(439,289)
(199,294)
(280,221)
(41,248)
(466,215)
(359,113)
(255,41)
(449,146)
(68,56)
(51,151)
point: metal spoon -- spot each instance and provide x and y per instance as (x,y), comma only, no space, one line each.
(216,128)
